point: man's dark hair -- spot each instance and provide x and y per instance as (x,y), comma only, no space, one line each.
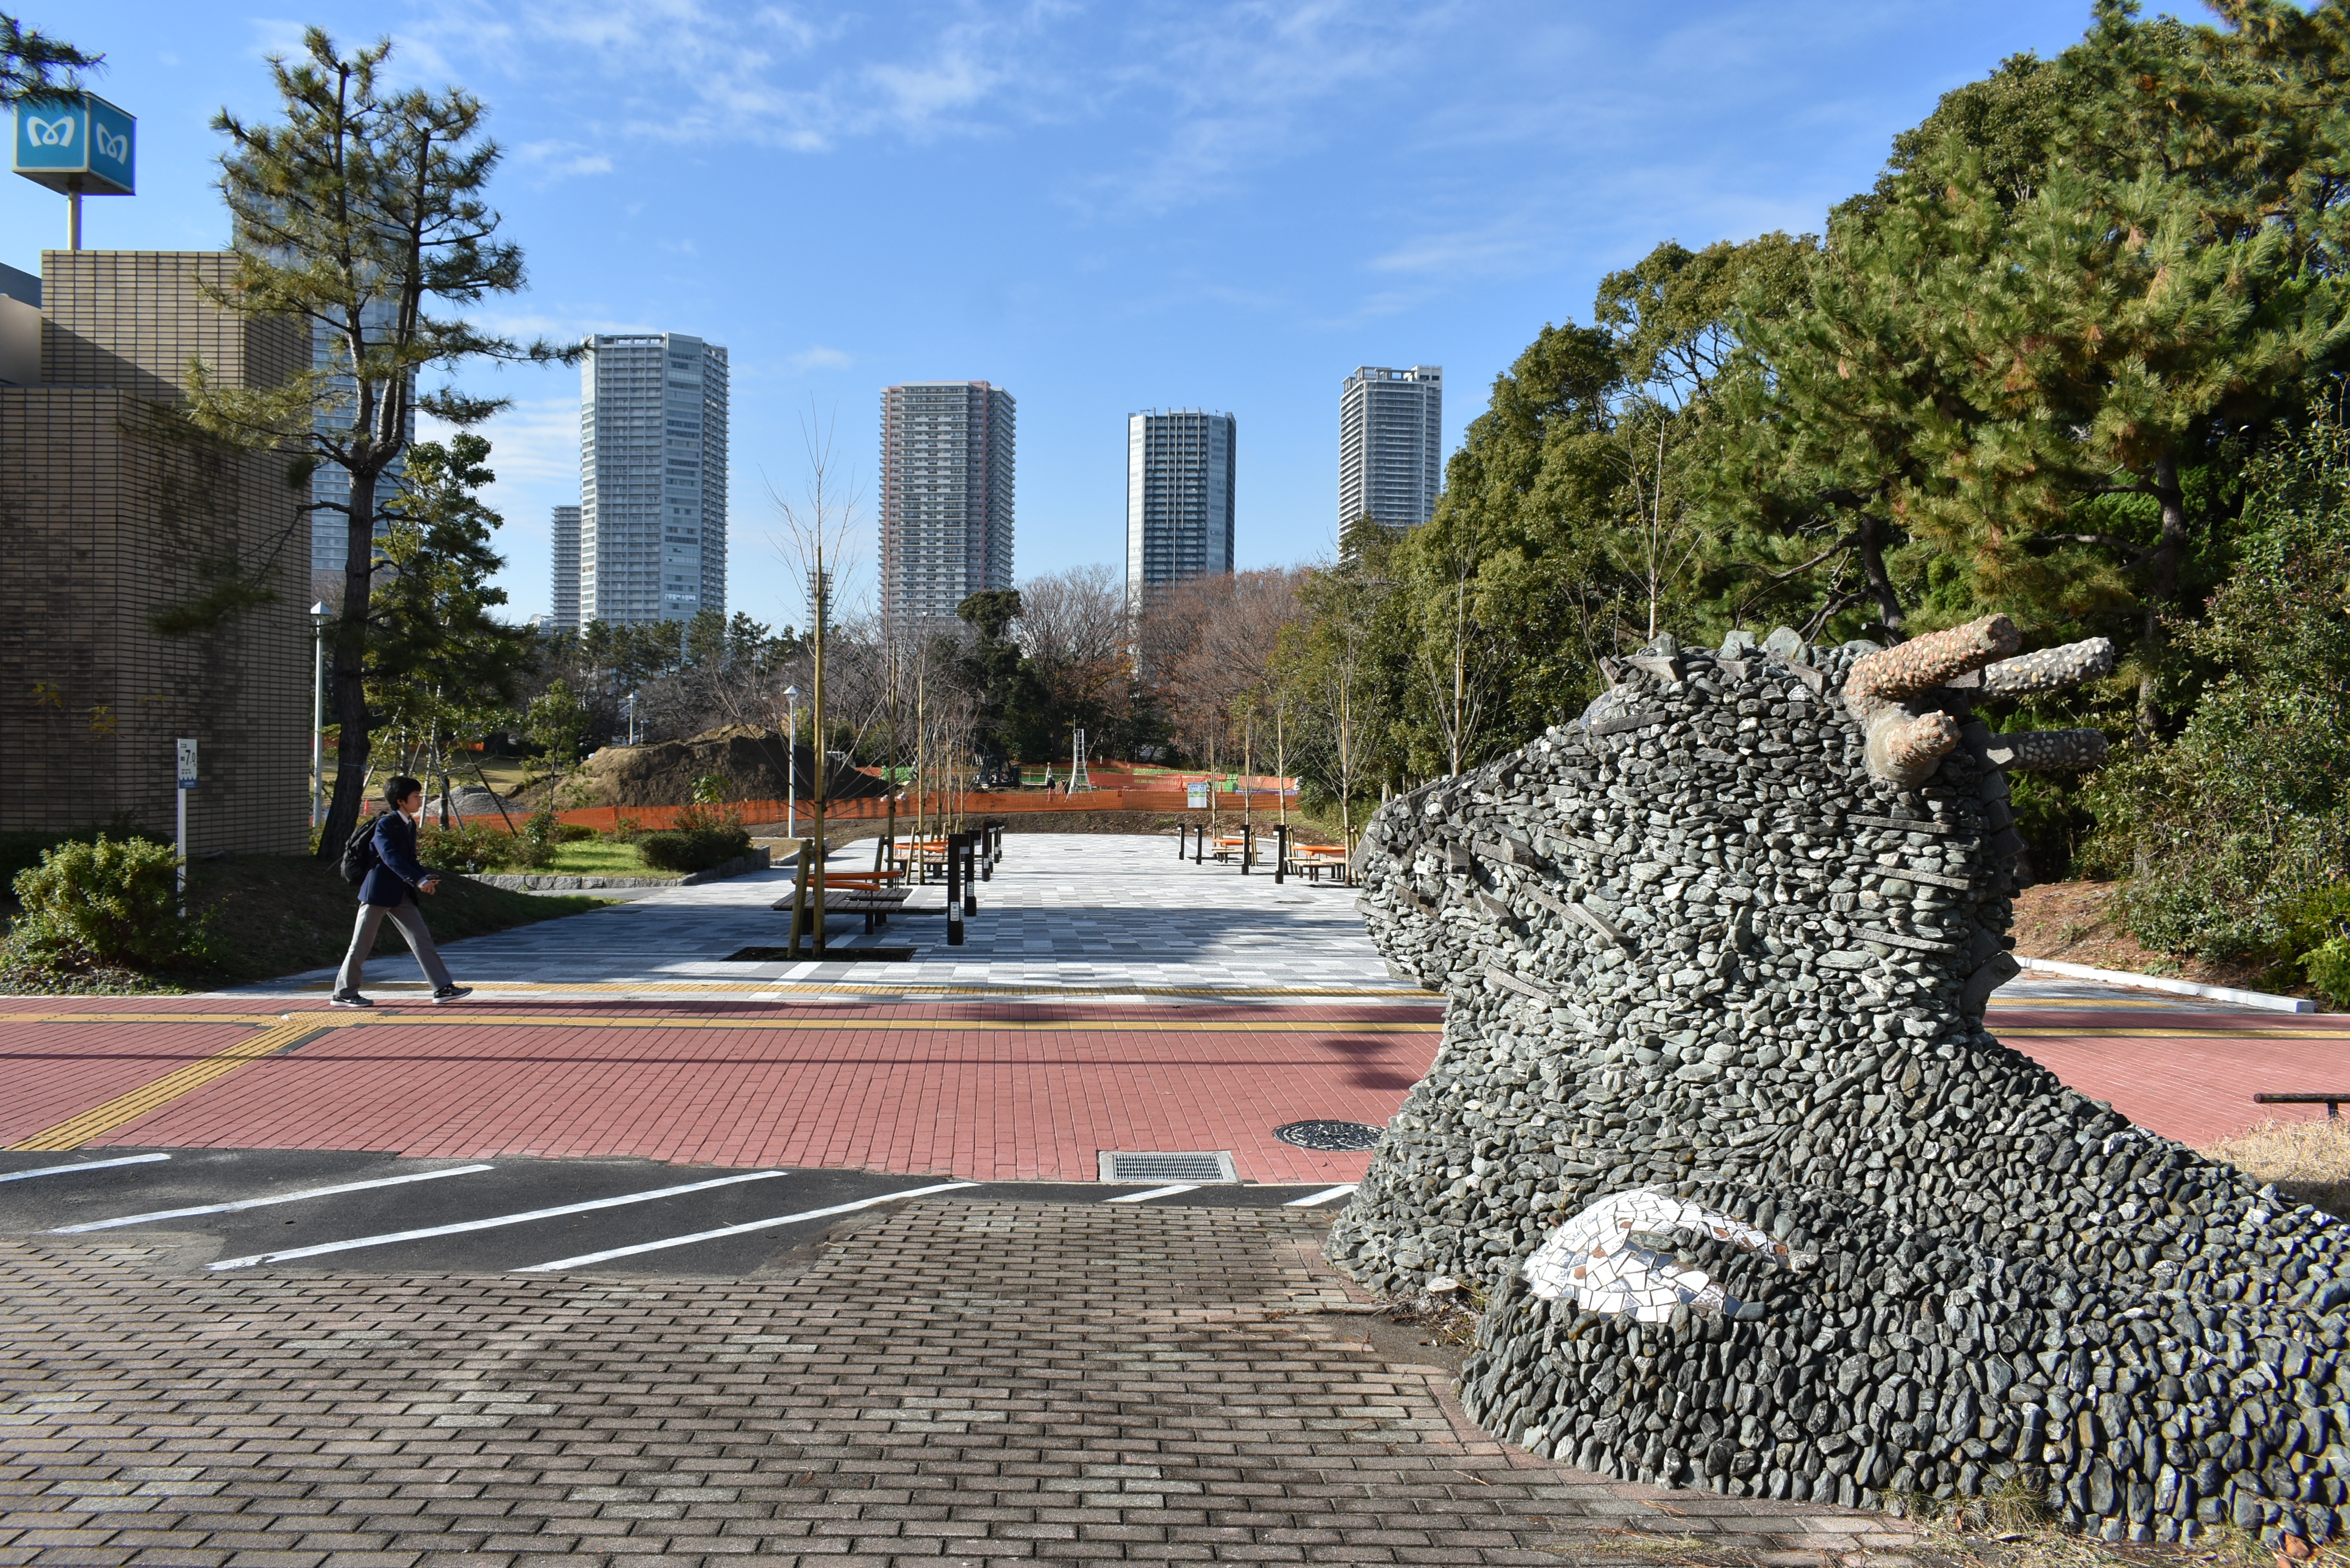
(399,787)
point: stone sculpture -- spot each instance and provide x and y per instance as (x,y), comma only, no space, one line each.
(1758,1204)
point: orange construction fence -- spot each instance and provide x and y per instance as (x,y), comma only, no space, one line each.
(867,808)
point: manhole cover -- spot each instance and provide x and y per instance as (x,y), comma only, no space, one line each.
(1330,1137)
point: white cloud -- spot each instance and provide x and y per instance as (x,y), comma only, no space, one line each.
(553,160)
(819,358)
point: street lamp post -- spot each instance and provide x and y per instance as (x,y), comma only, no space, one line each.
(792,763)
(318,616)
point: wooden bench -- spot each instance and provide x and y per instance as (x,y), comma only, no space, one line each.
(2328,1101)
(1314,858)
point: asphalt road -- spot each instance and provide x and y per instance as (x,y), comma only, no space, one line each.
(309,1212)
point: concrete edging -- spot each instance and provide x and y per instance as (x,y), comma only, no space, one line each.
(2177,986)
(535,882)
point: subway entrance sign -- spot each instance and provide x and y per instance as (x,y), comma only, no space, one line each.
(78,143)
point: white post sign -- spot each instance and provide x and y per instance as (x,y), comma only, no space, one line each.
(187,773)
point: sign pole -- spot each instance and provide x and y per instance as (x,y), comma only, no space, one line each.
(185,772)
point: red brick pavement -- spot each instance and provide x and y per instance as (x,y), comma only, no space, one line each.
(48,1072)
(2187,1075)
(973,1089)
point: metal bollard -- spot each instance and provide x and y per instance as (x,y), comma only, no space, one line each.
(986,850)
(1248,847)
(1182,841)
(970,877)
(954,891)
(1199,843)
(1280,851)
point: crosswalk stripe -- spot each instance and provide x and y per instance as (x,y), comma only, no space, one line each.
(85,1165)
(265,1202)
(1154,1192)
(1313,1199)
(611,1252)
(491,1222)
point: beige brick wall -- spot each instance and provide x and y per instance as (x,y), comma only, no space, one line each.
(112,511)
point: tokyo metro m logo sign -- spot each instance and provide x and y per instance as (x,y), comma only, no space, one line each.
(59,132)
(77,141)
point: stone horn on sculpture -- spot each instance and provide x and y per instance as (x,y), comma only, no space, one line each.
(1903,697)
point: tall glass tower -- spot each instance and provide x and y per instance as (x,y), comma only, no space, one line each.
(652,478)
(1179,498)
(1391,444)
(565,528)
(946,495)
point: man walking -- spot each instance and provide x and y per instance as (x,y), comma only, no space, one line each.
(392,881)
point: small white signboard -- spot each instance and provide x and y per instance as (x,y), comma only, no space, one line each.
(187,763)
(1195,796)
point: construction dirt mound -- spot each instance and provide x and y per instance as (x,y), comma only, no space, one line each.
(749,759)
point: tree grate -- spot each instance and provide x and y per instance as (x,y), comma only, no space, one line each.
(1330,1137)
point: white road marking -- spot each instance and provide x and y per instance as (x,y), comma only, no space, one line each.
(265,1202)
(1154,1192)
(586,1258)
(496,1220)
(86,1164)
(1326,1195)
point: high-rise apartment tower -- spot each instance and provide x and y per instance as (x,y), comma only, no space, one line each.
(1179,498)
(946,495)
(566,529)
(330,488)
(652,478)
(1391,444)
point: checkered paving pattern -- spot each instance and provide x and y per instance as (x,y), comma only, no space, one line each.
(1089,911)
(948,1385)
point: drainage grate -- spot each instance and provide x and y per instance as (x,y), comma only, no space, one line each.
(1330,1137)
(1193,1164)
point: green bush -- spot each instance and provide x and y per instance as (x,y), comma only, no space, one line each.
(22,851)
(575,833)
(2234,834)
(114,902)
(693,849)
(475,847)
(533,846)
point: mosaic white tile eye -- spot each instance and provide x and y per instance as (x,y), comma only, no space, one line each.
(1647,1284)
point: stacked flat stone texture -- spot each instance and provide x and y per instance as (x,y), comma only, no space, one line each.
(1691,943)
(112,510)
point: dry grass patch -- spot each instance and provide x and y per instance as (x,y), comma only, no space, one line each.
(2307,1160)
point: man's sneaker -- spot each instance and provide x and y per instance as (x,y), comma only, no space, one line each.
(453,993)
(348,999)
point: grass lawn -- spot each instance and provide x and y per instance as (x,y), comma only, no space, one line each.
(600,857)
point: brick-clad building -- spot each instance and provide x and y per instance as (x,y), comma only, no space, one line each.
(112,511)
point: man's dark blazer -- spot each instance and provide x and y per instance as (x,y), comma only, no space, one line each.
(396,871)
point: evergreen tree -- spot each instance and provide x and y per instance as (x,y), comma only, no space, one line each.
(28,57)
(360,214)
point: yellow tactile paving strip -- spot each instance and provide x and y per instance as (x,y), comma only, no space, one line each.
(125,1109)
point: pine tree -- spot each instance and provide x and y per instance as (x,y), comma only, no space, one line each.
(360,212)
(28,57)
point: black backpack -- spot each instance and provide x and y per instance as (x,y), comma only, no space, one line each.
(359,855)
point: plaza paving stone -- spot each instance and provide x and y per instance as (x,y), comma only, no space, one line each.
(946,1384)
(1091,914)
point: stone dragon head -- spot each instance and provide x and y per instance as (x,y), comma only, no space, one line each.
(1758,1203)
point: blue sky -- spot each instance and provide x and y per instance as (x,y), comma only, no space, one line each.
(1101,207)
